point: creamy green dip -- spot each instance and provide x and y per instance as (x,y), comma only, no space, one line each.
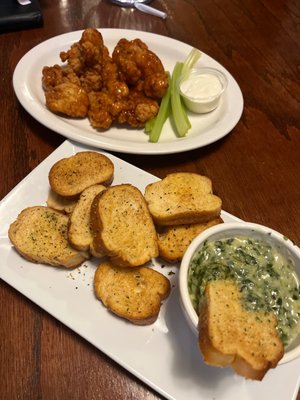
(267,281)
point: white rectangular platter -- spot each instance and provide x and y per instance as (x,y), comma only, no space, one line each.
(163,355)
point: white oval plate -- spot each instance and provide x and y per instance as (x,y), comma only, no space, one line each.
(206,128)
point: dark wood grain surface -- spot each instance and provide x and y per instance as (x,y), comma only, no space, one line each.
(255,169)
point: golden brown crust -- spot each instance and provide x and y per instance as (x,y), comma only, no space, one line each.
(229,335)
(182,198)
(131,293)
(70,176)
(174,240)
(122,226)
(39,234)
(79,228)
(59,203)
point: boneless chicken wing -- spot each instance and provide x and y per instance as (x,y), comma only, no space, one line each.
(140,67)
(137,109)
(63,92)
(125,88)
(53,76)
(99,112)
(134,109)
(66,88)
(68,98)
(86,59)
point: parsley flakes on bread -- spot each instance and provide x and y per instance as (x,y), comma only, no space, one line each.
(68,177)
(174,240)
(39,234)
(182,198)
(122,226)
(131,293)
(80,233)
(182,205)
(230,335)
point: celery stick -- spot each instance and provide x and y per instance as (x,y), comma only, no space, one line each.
(171,102)
(149,125)
(179,113)
(161,116)
(190,61)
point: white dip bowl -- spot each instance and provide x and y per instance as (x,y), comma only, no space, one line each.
(228,230)
(202,88)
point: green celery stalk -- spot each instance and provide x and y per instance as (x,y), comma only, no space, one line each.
(179,113)
(190,61)
(171,102)
(161,117)
(149,125)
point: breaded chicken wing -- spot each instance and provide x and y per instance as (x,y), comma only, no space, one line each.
(63,91)
(87,53)
(66,87)
(100,110)
(125,88)
(86,59)
(68,98)
(133,110)
(55,75)
(137,110)
(140,67)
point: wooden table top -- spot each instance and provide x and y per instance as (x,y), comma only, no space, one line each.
(255,169)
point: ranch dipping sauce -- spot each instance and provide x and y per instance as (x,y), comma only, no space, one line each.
(201,89)
(201,86)
(265,278)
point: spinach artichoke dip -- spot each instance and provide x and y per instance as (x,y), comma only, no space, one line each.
(267,281)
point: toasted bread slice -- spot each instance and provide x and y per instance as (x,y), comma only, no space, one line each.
(182,198)
(59,203)
(174,240)
(230,335)
(132,293)
(39,234)
(94,252)
(70,176)
(122,226)
(79,229)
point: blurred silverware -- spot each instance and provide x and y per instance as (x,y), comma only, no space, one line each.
(141,6)
(150,10)
(24,2)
